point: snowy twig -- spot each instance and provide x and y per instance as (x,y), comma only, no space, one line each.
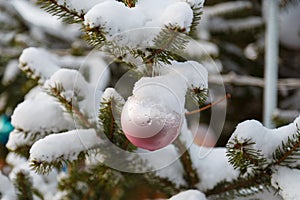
(242,80)
(209,105)
(53,7)
(190,174)
(56,92)
(249,182)
(286,151)
(286,115)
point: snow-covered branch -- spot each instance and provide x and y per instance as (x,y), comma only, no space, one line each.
(243,80)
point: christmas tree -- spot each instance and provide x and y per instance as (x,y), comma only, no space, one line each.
(119,121)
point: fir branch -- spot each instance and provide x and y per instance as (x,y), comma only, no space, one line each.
(62,11)
(30,73)
(129,3)
(168,45)
(244,157)
(241,187)
(162,184)
(197,13)
(199,95)
(190,174)
(95,36)
(289,151)
(44,167)
(69,105)
(23,148)
(23,184)
(110,126)
(97,182)
(22,151)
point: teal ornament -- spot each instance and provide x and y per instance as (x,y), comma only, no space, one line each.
(5,128)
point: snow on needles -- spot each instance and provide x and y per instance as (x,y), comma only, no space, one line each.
(65,145)
(39,63)
(115,18)
(266,140)
(79,5)
(286,180)
(72,82)
(189,195)
(7,189)
(40,114)
(172,85)
(36,117)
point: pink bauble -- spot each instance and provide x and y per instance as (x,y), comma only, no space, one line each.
(149,125)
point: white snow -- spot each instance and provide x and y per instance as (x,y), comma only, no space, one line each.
(286,180)
(111,93)
(39,115)
(212,166)
(11,72)
(172,84)
(19,139)
(78,5)
(115,18)
(93,67)
(41,62)
(46,184)
(65,145)
(189,195)
(166,165)
(33,92)
(178,14)
(7,189)
(77,91)
(36,117)
(72,81)
(267,140)
(15,159)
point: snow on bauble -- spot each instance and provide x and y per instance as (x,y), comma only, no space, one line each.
(149,124)
(152,117)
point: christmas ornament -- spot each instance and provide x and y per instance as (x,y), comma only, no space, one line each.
(152,117)
(5,129)
(149,124)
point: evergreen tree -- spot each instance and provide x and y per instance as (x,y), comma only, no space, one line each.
(113,124)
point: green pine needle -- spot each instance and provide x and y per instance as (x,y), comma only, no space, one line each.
(288,153)
(23,184)
(71,105)
(44,167)
(199,95)
(110,126)
(61,11)
(244,157)
(168,46)
(197,13)
(241,186)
